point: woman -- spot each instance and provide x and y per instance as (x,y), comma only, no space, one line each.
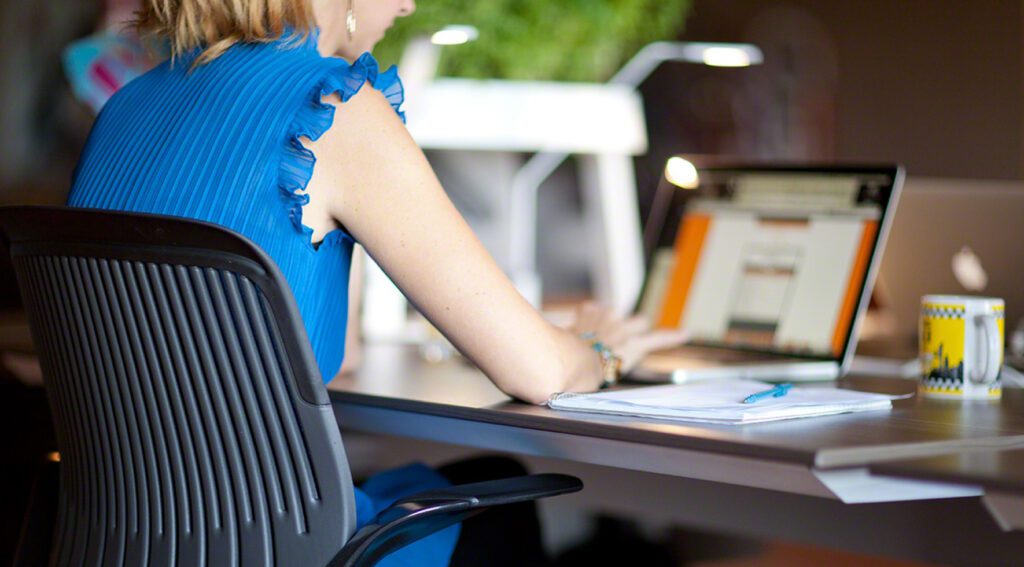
(260,123)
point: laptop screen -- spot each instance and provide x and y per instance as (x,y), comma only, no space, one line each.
(768,259)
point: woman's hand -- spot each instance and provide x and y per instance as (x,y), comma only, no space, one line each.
(630,338)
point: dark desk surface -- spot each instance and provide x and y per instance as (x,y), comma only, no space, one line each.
(999,471)
(396,378)
(719,478)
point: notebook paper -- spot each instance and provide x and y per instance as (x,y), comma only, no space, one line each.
(721,401)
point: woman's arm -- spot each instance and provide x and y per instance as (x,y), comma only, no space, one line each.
(372,178)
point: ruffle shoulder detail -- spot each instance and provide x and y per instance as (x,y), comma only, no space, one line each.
(314,118)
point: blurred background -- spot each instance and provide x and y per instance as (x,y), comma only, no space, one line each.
(937,85)
(933,84)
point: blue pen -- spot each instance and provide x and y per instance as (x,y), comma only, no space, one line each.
(777,392)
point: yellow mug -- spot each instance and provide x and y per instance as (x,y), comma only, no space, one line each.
(961,340)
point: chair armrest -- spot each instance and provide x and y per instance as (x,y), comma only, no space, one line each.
(416,517)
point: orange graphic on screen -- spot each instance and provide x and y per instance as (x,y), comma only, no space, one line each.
(853,287)
(689,242)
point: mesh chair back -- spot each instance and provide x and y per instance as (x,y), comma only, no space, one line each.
(193,425)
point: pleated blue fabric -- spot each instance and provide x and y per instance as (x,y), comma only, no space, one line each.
(219,142)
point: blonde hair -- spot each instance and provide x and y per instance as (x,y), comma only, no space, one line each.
(216,25)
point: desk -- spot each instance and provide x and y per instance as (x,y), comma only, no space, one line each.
(1000,474)
(729,478)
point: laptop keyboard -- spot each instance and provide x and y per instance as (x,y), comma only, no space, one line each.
(717,354)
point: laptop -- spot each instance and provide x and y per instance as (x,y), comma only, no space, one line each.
(769,267)
(953,236)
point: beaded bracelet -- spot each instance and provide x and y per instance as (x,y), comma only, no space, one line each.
(611,364)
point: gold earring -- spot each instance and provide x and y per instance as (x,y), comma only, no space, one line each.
(350,19)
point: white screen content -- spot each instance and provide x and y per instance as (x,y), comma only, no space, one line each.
(772,261)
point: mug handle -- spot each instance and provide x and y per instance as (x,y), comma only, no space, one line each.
(993,349)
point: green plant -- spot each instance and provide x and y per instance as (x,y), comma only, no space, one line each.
(565,40)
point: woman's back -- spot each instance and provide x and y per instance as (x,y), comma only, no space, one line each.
(219,142)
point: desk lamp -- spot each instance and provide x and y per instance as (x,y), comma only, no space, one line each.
(620,263)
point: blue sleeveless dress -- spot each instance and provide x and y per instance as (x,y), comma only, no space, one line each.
(220,143)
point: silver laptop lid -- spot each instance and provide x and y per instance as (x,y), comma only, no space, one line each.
(953,236)
(768,258)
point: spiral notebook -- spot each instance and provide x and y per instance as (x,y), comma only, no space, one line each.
(722,402)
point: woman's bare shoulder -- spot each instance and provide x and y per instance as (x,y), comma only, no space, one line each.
(365,131)
(366,150)
(367,108)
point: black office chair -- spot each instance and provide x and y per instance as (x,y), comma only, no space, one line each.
(193,425)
